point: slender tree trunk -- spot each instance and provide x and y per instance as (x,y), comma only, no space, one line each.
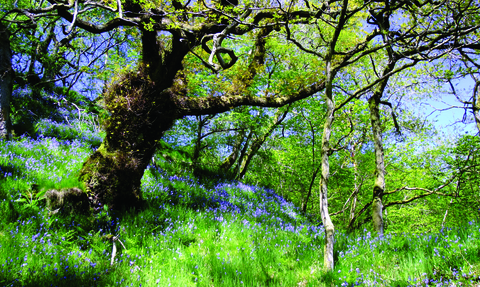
(202,122)
(310,187)
(325,152)
(243,153)
(476,104)
(356,185)
(258,142)
(6,83)
(314,170)
(230,160)
(327,222)
(379,185)
(198,141)
(330,73)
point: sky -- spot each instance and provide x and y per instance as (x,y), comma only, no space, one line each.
(450,119)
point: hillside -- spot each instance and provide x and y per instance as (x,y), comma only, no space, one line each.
(229,234)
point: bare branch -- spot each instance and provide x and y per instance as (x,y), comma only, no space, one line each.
(75,14)
(366,88)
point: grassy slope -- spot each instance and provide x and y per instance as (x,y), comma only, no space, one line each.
(228,235)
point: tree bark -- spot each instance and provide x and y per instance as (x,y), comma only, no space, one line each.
(328,262)
(379,185)
(330,73)
(374,107)
(6,83)
(327,222)
(139,118)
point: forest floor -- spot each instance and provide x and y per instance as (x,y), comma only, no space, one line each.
(192,234)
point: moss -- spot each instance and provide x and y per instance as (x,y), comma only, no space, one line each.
(139,115)
(135,108)
(72,200)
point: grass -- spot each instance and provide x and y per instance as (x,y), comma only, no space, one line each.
(231,234)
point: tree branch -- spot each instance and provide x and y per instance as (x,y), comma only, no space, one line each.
(212,105)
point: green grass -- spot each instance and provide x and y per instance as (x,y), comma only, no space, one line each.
(229,235)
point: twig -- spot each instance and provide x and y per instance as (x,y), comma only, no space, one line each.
(114,250)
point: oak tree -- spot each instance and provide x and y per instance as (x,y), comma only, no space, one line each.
(146,102)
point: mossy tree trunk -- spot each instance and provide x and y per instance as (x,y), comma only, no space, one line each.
(379,186)
(139,116)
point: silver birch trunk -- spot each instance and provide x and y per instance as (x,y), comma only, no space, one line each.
(6,83)
(327,131)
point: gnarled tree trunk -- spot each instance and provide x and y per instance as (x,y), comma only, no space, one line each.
(140,114)
(6,83)
(141,109)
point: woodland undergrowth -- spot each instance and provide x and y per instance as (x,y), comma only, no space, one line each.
(195,234)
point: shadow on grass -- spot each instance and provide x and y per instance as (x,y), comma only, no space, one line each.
(10,170)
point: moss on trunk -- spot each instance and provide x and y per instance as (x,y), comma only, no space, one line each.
(139,116)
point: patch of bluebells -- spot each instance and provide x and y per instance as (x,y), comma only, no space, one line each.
(46,254)
(41,158)
(69,130)
(237,199)
(438,250)
(258,210)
